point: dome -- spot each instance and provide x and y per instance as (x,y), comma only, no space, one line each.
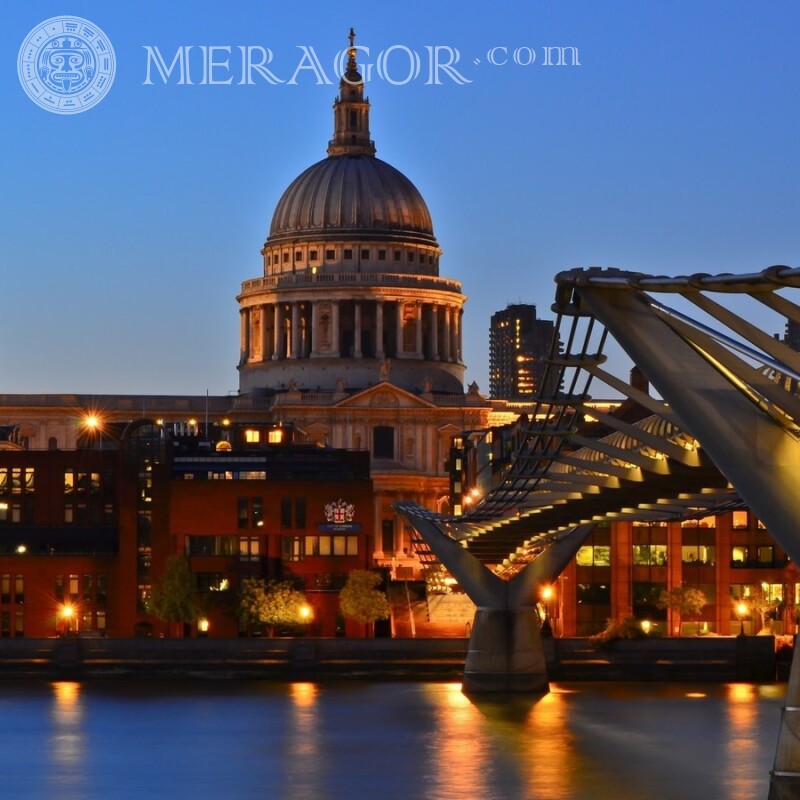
(352,195)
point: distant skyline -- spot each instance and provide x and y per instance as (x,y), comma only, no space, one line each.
(127,230)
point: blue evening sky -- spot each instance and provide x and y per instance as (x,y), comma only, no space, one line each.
(127,230)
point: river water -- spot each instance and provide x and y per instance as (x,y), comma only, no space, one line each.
(415,741)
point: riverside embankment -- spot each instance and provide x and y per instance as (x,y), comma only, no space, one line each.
(749,658)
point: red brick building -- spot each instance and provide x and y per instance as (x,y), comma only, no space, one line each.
(84,533)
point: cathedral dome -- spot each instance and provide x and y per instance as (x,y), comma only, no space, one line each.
(355,196)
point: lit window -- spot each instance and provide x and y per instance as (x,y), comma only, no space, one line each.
(252,436)
(275,437)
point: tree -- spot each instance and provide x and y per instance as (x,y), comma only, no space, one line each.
(273,603)
(174,595)
(360,599)
(686,601)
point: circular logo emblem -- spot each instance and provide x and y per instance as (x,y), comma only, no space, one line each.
(66,65)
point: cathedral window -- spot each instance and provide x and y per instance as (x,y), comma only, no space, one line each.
(381,255)
(312,255)
(330,255)
(364,253)
(383,442)
(298,255)
(396,255)
(348,253)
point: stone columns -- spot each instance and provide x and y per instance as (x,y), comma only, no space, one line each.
(446,335)
(277,337)
(379,351)
(265,310)
(335,332)
(434,332)
(295,330)
(356,330)
(418,330)
(244,333)
(314,328)
(399,331)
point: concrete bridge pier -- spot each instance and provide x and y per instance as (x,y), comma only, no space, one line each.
(505,651)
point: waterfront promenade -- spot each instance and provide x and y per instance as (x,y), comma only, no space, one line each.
(749,658)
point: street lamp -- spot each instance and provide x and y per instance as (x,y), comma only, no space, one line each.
(202,627)
(305,614)
(67,613)
(94,427)
(741,612)
(646,626)
(547,595)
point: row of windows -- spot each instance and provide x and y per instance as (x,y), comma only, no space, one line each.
(7,582)
(646,593)
(247,548)
(16,512)
(348,255)
(89,513)
(739,520)
(227,474)
(296,548)
(655,555)
(92,589)
(250,512)
(9,618)
(17,480)
(78,482)
(75,511)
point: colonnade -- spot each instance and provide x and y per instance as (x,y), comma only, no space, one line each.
(300,329)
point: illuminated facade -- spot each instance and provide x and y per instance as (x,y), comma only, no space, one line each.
(519,343)
(351,333)
(85,533)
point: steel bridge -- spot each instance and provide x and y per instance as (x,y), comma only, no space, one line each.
(724,432)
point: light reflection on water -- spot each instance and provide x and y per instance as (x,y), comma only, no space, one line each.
(66,743)
(584,741)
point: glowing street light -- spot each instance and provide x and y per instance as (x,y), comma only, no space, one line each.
(741,612)
(646,626)
(203,626)
(546,595)
(67,613)
(93,425)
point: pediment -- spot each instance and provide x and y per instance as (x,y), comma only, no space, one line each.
(384,395)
